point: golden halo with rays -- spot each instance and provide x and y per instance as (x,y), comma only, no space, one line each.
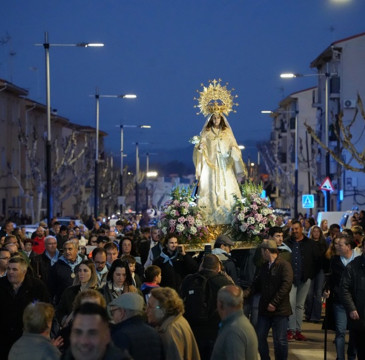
(215,99)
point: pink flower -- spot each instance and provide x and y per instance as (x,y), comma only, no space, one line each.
(190,219)
(176,203)
(172,222)
(181,219)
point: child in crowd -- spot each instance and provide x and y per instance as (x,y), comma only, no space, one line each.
(152,276)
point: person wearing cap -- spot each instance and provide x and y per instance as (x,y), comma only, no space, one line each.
(130,330)
(274,282)
(222,248)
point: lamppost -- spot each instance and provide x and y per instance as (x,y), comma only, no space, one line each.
(46,45)
(122,157)
(296,180)
(149,174)
(327,75)
(96,181)
(137,174)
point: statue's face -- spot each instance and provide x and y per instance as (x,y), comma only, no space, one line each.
(216,120)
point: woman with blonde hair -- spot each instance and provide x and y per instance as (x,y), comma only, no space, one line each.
(86,278)
(165,311)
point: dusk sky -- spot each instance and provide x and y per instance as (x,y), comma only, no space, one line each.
(162,50)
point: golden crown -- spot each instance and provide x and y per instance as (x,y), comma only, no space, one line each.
(215,99)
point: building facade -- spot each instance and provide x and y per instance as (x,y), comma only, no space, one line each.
(23,126)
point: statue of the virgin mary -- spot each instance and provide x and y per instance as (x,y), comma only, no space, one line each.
(217,157)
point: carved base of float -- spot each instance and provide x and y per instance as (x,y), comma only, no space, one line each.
(225,229)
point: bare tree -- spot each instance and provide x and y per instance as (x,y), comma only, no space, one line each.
(30,144)
(108,184)
(346,141)
(281,178)
(72,168)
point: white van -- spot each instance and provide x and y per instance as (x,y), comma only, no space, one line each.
(341,218)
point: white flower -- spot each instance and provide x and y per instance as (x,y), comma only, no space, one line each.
(173,213)
(193,230)
(164,230)
(251,220)
(198,223)
(184,211)
(195,140)
(159,224)
(261,226)
(243,227)
(180,227)
(241,216)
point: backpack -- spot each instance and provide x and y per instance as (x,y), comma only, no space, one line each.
(196,293)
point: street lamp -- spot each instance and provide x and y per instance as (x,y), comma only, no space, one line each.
(328,75)
(122,155)
(137,173)
(46,45)
(96,185)
(149,174)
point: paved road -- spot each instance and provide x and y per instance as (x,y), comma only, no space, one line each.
(313,348)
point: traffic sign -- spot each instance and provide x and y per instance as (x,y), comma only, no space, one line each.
(327,185)
(308,201)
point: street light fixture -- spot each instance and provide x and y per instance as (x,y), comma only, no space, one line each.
(46,45)
(328,75)
(96,184)
(122,155)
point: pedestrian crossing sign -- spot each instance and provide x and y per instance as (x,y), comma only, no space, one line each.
(308,201)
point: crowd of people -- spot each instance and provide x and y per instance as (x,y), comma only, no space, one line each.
(127,292)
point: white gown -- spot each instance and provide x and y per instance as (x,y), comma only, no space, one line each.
(218,162)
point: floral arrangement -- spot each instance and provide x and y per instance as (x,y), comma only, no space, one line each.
(195,140)
(181,216)
(252,215)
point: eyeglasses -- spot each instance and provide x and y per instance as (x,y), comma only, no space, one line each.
(112,311)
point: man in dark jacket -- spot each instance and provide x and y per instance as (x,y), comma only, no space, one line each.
(274,282)
(353,298)
(17,290)
(63,272)
(305,254)
(42,264)
(174,263)
(333,289)
(205,329)
(130,330)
